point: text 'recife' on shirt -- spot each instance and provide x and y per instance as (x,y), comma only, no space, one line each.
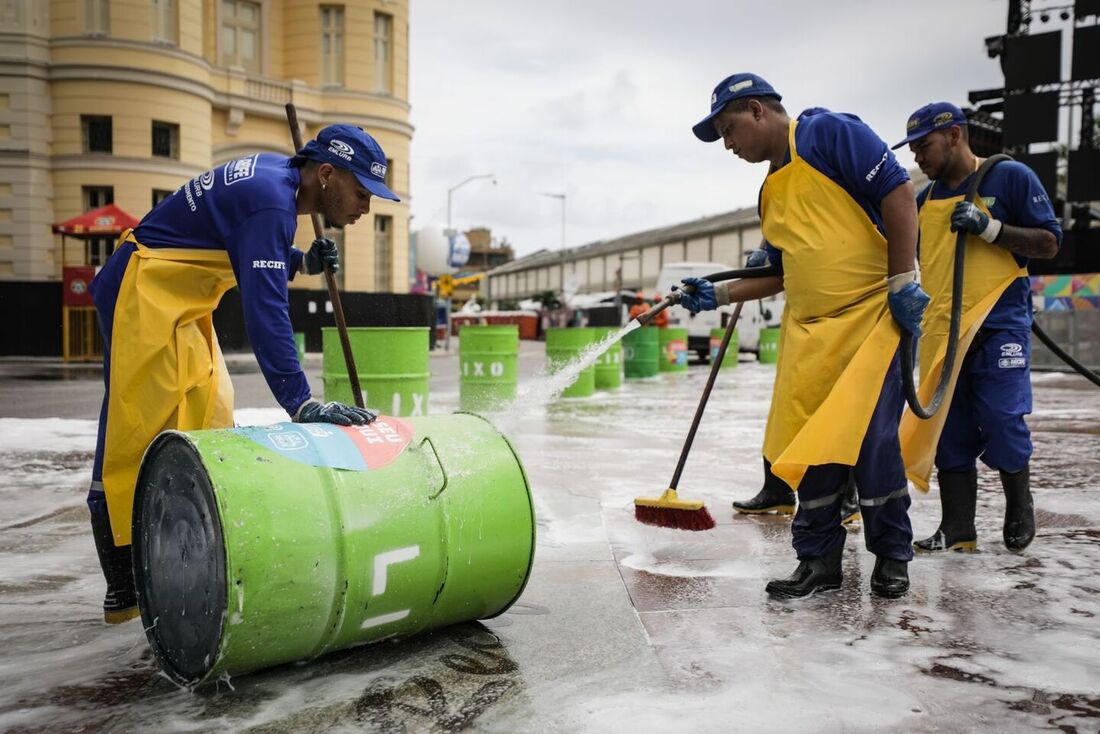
(1013,194)
(849,153)
(246,207)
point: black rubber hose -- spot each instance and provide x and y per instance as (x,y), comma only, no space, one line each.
(908,344)
(1060,353)
(765,271)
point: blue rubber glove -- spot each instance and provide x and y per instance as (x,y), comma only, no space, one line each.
(338,413)
(701,297)
(321,253)
(757,259)
(907,306)
(969,218)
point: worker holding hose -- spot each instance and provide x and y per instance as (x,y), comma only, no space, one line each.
(162,367)
(839,214)
(1010,220)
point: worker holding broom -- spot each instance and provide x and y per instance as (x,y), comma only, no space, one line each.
(162,367)
(1010,220)
(839,214)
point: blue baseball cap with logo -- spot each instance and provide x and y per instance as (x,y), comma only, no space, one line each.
(731,88)
(934,116)
(350,147)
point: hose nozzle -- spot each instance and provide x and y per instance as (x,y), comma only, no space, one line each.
(670,300)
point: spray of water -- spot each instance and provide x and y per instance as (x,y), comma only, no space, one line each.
(545,387)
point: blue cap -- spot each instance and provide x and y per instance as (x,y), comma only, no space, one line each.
(730,88)
(348,146)
(934,116)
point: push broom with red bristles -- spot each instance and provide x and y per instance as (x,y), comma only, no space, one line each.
(668,510)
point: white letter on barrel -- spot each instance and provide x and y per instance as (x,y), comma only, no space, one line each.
(381,562)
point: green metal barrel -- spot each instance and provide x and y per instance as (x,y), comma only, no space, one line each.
(563,346)
(487,364)
(609,366)
(392,363)
(673,342)
(716,337)
(300,345)
(641,353)
(769,345)
(259,546)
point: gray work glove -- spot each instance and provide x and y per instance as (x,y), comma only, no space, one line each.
(338,413)
(321,253)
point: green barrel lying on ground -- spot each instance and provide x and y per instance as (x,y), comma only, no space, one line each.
(265,545)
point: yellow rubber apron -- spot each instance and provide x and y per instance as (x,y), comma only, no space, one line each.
(837,337)
(989,270)
(167,370)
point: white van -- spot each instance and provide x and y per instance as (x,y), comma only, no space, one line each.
(755,315)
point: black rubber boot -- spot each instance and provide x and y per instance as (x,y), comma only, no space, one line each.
(849,506)
(890,578)
(120,602)
(1019,510)
(811,576)
(775,496)
(958,497)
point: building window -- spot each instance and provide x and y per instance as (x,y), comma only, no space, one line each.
(95,130)
(332,46)
(97,18)
(166,139)
(383,53)
(96,196)
(383,254)
(240,34)
(93,197)
(165,21)
(160,195)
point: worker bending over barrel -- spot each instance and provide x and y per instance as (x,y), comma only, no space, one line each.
(162,367)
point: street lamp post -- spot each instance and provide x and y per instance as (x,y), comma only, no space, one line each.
(460,185)
(450,234)
(562,198)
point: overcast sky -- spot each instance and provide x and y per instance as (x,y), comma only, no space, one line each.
(596,99)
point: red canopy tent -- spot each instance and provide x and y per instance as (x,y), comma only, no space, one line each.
(80,332)
(106,222)
(102,222)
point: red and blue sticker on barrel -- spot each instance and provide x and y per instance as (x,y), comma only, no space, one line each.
(353,448)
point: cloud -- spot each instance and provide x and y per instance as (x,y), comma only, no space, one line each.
(596,99)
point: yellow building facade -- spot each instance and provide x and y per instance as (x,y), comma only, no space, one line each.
(123,101)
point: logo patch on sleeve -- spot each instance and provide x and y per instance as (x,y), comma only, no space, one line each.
(239,170)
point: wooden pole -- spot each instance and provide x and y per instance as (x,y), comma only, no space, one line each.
(330,278)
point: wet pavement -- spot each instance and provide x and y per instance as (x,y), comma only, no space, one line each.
(622,627)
